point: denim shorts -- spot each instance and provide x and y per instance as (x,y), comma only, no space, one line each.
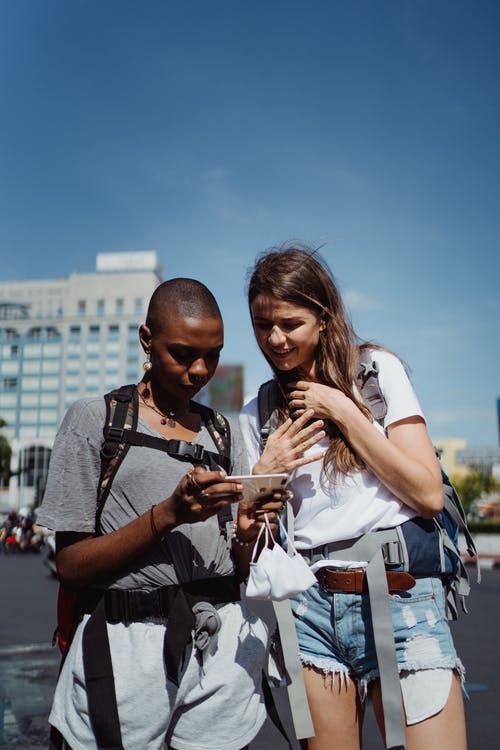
(335,631)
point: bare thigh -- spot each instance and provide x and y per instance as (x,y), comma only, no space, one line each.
(336,711)
(445,730)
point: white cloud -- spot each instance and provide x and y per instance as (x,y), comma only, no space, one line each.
(448,416)
(356,300)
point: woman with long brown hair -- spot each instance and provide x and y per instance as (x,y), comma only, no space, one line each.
(371,476)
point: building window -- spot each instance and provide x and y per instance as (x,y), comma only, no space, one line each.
(14,350)
(9,384)
(74,330)
(82,307)
(119,305)
(138,305)
(100,307)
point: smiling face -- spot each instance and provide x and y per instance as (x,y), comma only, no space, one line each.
(288,334)
(184,353)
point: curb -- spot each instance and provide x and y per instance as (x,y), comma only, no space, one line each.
(28,648)
(486,562)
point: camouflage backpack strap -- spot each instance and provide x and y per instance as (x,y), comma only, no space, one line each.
(369,386)
(122,410)
(220,432)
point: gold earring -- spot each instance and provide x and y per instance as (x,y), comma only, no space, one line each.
(147,365)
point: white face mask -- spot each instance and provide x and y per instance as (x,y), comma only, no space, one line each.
(277,574)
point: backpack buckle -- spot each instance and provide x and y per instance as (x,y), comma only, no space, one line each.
(186,451)
(115,434)
(392,553)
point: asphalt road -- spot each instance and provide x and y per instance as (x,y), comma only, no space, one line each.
(28,666)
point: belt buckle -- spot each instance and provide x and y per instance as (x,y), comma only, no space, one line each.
(321,576)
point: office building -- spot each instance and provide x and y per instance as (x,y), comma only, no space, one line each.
(61,339)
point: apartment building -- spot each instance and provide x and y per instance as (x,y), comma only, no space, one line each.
(61,339)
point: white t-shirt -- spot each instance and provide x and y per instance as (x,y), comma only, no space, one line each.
(357,503)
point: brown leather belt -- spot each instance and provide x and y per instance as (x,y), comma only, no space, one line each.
(353,581)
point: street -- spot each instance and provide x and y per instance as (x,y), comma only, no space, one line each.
(28,665)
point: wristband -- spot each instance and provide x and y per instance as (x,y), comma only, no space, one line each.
(239,541)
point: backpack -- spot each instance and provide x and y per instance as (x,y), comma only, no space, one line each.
(419,546)
(422,546)
(119,433)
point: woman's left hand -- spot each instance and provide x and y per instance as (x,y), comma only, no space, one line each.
(251,515)
(325,400)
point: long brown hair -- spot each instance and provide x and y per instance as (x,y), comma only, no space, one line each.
(297,274)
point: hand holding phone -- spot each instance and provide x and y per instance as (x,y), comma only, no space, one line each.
(259,485)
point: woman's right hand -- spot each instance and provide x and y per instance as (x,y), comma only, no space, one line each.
(201,494)
(286,446)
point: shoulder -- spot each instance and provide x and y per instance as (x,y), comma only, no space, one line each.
(251,405)
(396,387)
(387,360)
(84,415)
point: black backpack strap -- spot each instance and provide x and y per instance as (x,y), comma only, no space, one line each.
(267,401)
(99,679)
(122,411)
(220,432)
(218,427)
(368,383)
(179,449)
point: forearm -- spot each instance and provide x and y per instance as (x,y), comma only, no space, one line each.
(405,463)
(94,558)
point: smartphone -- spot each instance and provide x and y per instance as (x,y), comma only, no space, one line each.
(257,485)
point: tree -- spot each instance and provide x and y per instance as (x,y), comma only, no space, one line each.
(5,455)
(473,485)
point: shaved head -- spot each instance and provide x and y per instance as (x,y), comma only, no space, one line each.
(185,298)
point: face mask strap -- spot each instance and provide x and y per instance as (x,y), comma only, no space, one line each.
(263,529)
(290,545)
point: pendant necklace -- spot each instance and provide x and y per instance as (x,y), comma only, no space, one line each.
(166,419)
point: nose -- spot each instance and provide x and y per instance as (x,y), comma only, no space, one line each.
(276,336)
(199,369)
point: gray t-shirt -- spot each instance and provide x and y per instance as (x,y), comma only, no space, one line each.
(145,477)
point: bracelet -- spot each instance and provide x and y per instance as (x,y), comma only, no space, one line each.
(239,541)
(154,530)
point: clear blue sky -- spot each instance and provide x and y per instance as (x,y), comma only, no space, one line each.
(209,130)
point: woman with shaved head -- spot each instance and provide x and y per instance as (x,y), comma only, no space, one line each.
(145,522)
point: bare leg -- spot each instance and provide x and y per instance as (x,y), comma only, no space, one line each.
(335,709)
(445,730)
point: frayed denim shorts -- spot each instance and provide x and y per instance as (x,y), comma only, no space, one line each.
(335,631)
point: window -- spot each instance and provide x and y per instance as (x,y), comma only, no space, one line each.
(14,350)
(82,307)
(9,383)
(100,307)
(138,305)
(119,305)
(51,366)
(74,330)
(33,351)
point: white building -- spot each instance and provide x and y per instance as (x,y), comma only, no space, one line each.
(62,339)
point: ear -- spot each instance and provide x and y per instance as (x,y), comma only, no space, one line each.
(145,337)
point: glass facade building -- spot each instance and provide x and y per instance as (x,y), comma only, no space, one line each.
(60,340)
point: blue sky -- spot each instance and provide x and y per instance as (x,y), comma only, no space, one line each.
(209,130)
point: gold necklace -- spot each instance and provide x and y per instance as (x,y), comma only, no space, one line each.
(166,419)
